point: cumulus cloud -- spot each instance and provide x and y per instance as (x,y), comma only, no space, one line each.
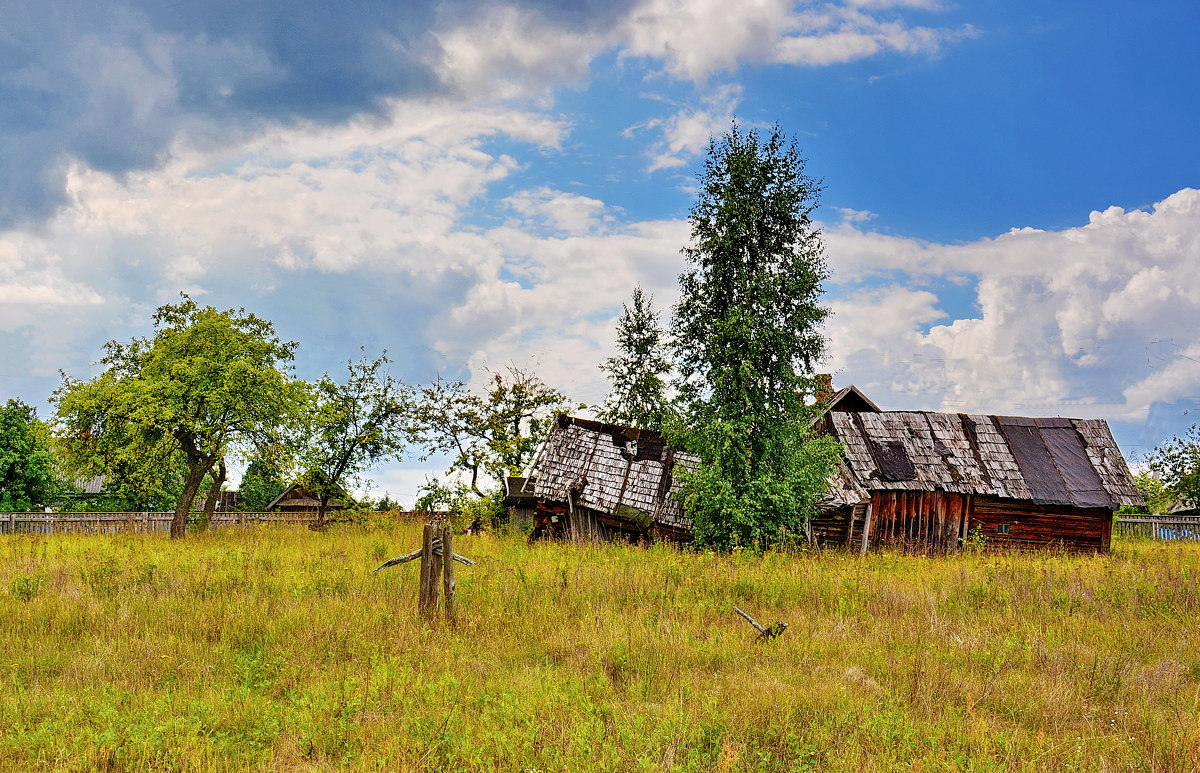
(363,233)
(688,130)
(1069,322)
(724,33)
(119,87)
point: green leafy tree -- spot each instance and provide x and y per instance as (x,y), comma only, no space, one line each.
(206,383)
(638,395)
(1155,495)
(491,435)
(350,427)
(27,473)
(746,337)
(263,481)
(1176,463)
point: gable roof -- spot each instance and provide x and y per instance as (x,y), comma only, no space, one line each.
(297,495)
(851,398)
(1057,461)
(621,471)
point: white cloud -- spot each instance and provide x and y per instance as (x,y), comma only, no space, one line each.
(855,215)
(1067,320)
(721,34)
(510,52)
(567,213)
(689,129)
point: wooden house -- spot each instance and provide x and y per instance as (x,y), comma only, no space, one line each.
(596,481)
(936,480)
(298,499)
(910,479)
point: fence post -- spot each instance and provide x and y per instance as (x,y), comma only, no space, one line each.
(427,601)
(12,523)
(448,568)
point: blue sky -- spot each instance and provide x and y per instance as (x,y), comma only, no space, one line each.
(1010,210)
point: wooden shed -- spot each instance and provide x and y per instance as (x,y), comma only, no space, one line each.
(520,501)
(931,480)
(596,481)
(298,499)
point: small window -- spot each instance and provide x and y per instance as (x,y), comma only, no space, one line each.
(1004,528)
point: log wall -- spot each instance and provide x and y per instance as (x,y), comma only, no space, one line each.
(937,520)
(1039,526)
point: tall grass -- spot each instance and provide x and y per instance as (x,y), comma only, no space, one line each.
(279,649)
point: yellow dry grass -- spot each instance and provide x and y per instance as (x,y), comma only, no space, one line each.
(278,649)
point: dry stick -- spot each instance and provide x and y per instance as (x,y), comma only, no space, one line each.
(750,620)
(776,628)
(437,547)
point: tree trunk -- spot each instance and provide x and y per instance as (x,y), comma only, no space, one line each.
(197,469)
(322,509)
(214,493)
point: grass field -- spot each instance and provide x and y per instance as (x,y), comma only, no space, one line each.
(279,649)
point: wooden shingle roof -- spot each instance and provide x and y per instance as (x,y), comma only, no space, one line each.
(621,471)
(1045,460)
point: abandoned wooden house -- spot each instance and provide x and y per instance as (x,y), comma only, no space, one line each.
(298,499)
(911,479)
(596,481)
(936,480)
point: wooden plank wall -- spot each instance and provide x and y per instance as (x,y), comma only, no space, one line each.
(936,520)
(921,520)
(837,528)
(1039,526)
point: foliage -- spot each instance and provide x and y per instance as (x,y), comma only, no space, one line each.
(434,496)
(263,481)
(1157,497)
(746,336)
(975,541)
(1177,464)
(737,501)
(274,649)
(351,426)
(206,383)
(25,588)
(386,504)
(488,436)
(638,394)
(27,474)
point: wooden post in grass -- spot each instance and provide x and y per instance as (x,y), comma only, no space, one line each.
(448,569)
(437,568)
(427,599)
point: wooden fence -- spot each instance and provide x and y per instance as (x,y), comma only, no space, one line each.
(1165,527)
(112,523)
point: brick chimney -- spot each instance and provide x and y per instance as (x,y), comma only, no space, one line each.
(825,390)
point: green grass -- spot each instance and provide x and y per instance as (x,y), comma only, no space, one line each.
(279,649)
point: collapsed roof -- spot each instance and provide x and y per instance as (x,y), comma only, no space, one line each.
(619,471)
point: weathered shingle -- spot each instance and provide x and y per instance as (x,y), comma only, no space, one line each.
(611,469)
(1046,460)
